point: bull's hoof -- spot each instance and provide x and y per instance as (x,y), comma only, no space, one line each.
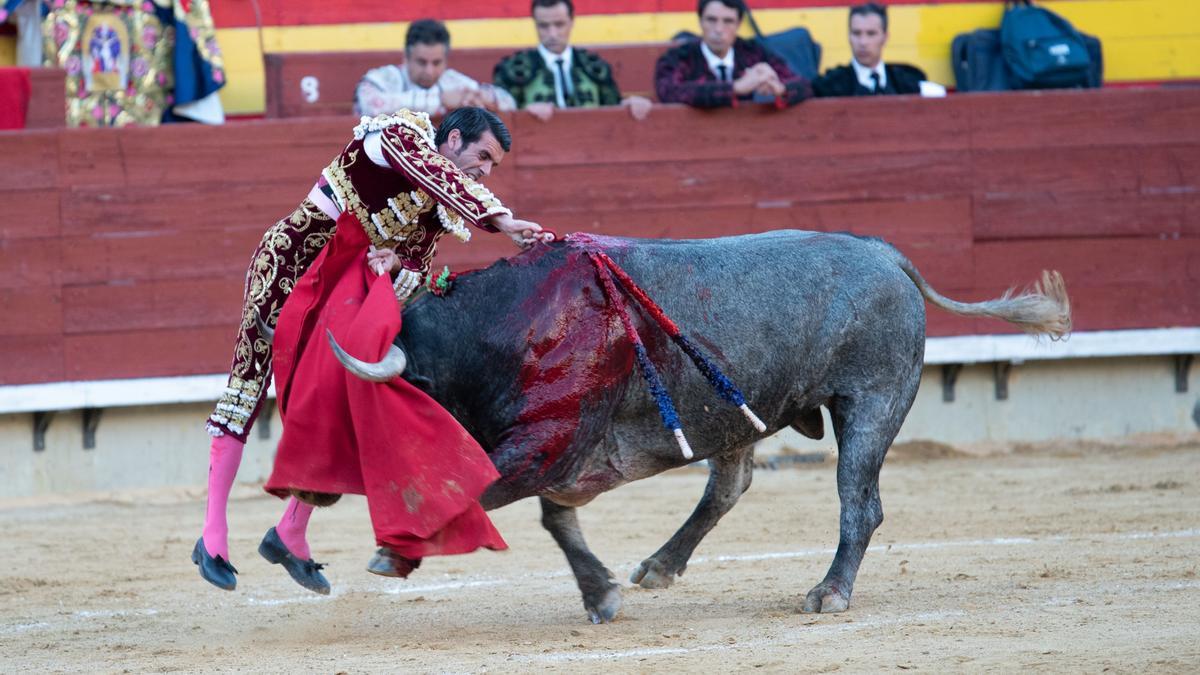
(605,608)
(652,574)
(826,598)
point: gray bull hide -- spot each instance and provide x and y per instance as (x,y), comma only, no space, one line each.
(529,356)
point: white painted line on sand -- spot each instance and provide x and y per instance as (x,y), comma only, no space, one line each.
(22,627)
(913,546)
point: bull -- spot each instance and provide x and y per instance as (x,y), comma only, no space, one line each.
(530,357)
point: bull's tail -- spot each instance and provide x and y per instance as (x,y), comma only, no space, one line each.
(1041,309)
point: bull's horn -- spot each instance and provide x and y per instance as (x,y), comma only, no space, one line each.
(265,330)
(389,368)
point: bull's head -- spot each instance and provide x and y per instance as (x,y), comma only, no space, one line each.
(389,368)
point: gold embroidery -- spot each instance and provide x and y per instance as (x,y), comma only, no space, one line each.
(399,222)
(408,208)
(439,176)
(285,253)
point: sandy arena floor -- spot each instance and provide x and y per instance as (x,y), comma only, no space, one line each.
(1057,560)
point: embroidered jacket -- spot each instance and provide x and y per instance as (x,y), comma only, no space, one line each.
(405,195)
(683,76)
(526,77)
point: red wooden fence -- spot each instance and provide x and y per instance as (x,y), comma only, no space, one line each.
(122,251)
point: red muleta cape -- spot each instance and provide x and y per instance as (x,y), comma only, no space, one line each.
(421,472)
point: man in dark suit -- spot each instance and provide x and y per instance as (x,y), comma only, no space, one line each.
(867,74)
(557,75)
(720,69)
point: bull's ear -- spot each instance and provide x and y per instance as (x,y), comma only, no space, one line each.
(810,423)
(423,383)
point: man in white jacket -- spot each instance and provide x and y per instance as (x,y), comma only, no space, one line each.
(425,82)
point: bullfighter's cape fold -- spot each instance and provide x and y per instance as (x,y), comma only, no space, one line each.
(421,472)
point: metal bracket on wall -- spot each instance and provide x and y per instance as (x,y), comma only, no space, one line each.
(1183,367)
(264,419)
(91,420)
(950,373)
(1000,371)
(41,421)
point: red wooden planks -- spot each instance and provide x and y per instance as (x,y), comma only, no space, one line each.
(48,103)
(151,305)
(1063,118)
(29,213)
(31,358)
(149,353)
(31,310)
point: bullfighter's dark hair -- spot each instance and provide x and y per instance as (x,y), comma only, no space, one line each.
(551,3)
(869,8)
(731,4)
(427,32)
(472,123)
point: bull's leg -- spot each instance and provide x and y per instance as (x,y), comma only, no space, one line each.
(729,477)
(865,429)
(601,595)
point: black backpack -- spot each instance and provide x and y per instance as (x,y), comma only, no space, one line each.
(978,62)
(795,46)
(1041,49)
(977,59)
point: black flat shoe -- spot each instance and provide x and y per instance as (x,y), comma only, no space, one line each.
(305,572)
(388,563)
(216,571)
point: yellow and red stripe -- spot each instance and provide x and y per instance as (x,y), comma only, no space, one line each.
(1144,40)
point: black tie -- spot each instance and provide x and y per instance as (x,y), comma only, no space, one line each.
(875,81)
(724,72)
(562,78)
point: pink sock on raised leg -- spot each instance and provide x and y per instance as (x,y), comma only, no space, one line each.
(224,457)
(293,528)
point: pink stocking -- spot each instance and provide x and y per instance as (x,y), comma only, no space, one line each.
(293,527)
(223,459)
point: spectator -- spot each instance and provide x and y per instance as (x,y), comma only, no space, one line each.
(867,75)
(425,83)
(557,75)
(720,68)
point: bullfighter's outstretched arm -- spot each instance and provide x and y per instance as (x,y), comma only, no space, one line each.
(406,151)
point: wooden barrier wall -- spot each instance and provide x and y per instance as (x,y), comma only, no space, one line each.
(48,102)
(311,84)
(122,251)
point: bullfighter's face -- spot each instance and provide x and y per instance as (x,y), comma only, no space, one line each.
(477,159)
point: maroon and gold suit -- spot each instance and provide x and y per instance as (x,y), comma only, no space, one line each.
(403,193)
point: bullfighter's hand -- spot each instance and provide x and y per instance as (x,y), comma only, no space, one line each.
(383,261)
(639,107)
(524,233)
(542,111)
